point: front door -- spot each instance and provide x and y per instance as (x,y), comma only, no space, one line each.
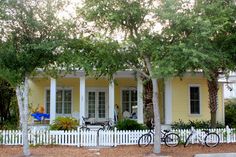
(97,106)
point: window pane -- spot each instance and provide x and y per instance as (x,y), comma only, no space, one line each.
(59,107)
(67,107)
(194,100)
(194,93)
(101,107)
(67,102)
(59,102)
(91,104)
(48,101)
(67,95)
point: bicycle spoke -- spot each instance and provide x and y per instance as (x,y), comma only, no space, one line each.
(212,139)
(172,140)
(144,140)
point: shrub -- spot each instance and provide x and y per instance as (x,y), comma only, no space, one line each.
(64,123)
(196,124)
(230,112)
(128,124)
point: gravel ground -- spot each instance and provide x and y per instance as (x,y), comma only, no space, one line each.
(119,151)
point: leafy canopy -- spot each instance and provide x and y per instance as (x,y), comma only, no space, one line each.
(31,37)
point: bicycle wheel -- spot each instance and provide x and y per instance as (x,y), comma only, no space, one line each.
(144,140)
(187,140)
(212,139)
(99,130)
(84,128)
(172,139)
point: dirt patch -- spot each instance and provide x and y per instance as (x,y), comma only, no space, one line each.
(119,151)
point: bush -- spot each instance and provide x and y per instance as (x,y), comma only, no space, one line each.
(196,124)
(64,123)
(128,124)
(230,114)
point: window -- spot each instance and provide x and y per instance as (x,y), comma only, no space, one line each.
(96,102)
(194,100)
(129,102)
(63,101)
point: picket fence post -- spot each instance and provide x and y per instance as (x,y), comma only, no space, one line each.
(115,131)
(78,136)
(228,134)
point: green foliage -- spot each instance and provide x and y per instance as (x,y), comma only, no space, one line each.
(128,124)
(196,124)
(9,108)
(230,114)
(31,37)
(64,123)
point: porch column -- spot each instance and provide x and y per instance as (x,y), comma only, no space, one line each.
(168,101)
(111,100)
(82,98)
(53,90)
(140,100)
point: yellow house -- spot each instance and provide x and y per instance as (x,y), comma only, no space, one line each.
(80,96)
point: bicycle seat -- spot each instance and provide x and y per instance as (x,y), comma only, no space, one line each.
(206,131)
(166,131)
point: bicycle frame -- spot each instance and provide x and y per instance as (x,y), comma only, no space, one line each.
(194,135)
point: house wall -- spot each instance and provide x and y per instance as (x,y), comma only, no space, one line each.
(180,99)
(38,88)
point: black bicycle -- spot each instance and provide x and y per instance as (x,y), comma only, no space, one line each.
(105,126)
(84,126)
(170,139)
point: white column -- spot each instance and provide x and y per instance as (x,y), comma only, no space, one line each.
(111,100)
(82,98)
(53,91)
(168,101)
(140,100)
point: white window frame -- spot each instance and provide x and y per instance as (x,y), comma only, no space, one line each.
(200,100)
(121,97)
(60,88)
(97,89)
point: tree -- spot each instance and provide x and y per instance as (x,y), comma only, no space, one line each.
(203,34)
(9,109)
(137,50)
(31,37)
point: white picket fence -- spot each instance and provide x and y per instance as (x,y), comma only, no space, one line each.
(91,138)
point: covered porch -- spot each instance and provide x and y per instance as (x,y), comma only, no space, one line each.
(79,96)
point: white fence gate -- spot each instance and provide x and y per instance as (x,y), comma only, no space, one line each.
(92,138)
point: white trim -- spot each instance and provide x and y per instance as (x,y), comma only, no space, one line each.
(111,104)
(82,99)
(168,101)
(200,99)
(140,100)
(53,90)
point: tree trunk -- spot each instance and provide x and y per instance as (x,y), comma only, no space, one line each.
(157,122)
(22,92)
(213,97)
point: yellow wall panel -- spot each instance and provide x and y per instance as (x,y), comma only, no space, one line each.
(180,99)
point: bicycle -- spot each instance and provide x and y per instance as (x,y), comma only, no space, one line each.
(169,138)
(210,139)
(84,126)
(105,126)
